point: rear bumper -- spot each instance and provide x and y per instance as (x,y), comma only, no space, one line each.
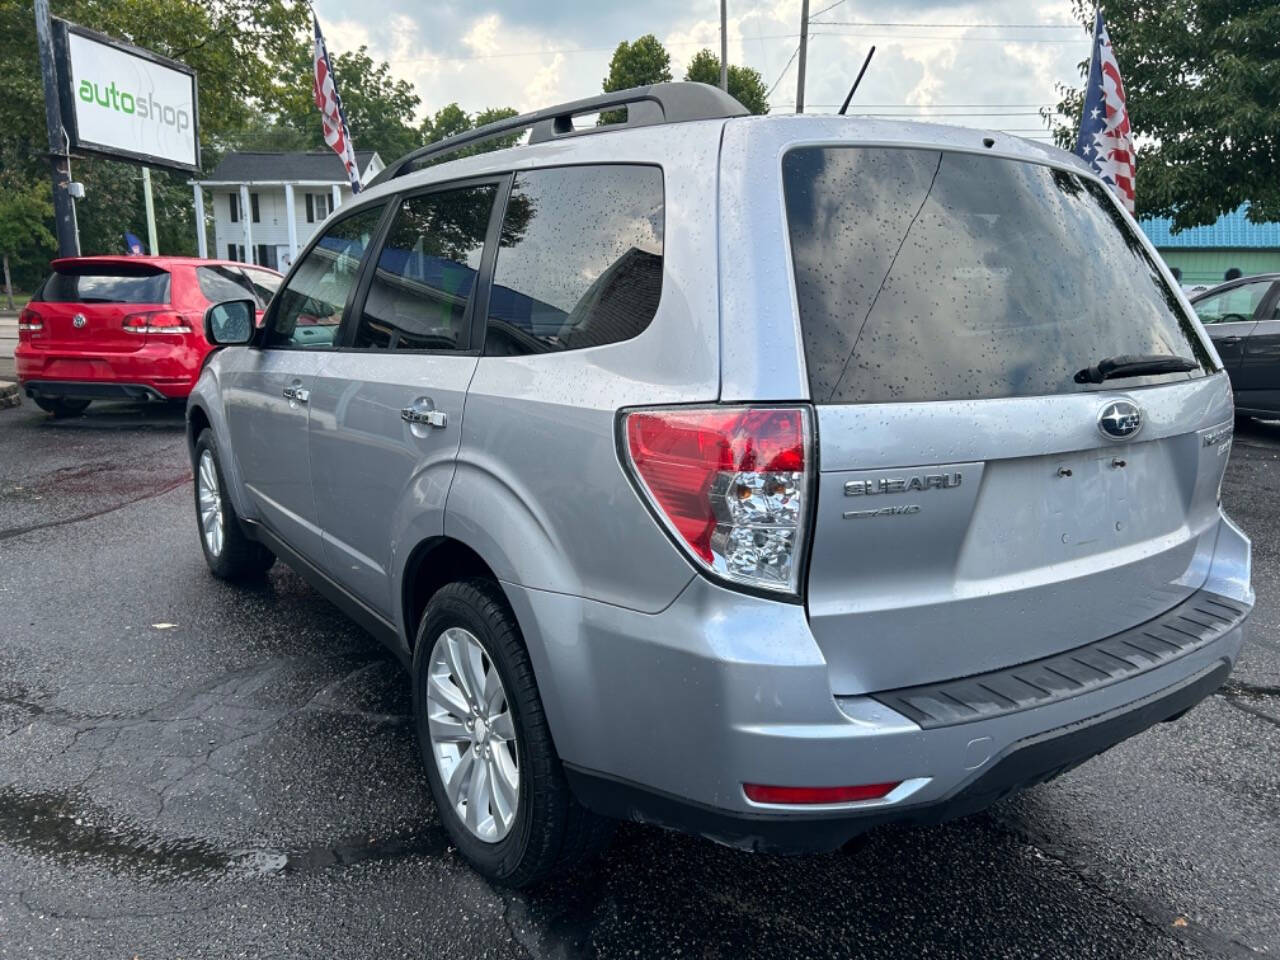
(662,718)
(163,370)
(1023,764)
(93,390)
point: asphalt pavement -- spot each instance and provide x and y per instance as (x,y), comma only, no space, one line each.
(191,769)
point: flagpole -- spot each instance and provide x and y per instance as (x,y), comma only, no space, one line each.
(1088,74)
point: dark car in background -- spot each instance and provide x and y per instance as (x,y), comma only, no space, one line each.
(115,327)
(1242,318)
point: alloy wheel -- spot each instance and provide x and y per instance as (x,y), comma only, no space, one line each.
(210,504)
(473,736)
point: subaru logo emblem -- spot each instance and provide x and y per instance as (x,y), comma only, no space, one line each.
(78,321)
(1119,420)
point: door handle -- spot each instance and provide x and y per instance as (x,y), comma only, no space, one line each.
(1227,341)
(300,394)
(422,412)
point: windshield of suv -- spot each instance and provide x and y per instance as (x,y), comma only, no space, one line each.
(927,275)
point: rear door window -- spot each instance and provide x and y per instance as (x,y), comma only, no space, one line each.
(924,275)
(219,283)
(426,272)
(579,259)
(105,283)
(264,284)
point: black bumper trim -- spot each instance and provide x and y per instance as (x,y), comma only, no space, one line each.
(1025,763)
(1197,621)
(92,390)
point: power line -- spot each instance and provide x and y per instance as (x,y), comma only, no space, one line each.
(965,26)
(939,116)
(942,37)
(824,10)
(567,50)
(936,106)
(794,54)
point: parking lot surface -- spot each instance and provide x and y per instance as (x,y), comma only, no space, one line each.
(192,769)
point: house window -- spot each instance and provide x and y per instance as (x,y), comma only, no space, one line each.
(253,202)
(322,205)
(267,255)
(231,250)
(235,208)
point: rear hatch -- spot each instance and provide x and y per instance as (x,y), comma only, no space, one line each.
(979,506)
(83,304)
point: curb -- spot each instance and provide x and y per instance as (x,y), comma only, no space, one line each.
(10,396)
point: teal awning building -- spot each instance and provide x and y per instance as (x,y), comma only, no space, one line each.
(1205,254)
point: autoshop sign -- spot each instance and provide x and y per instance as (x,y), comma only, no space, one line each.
(123,101)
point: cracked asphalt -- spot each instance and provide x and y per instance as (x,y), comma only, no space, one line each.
(190,769)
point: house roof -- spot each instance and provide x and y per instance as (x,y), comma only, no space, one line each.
(252,167)
(1232,231)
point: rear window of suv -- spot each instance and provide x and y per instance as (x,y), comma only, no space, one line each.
(579,259)
(101,283)
(928,275)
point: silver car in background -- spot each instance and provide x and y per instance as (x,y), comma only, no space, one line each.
(769,478)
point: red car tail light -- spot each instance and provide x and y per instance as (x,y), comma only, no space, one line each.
(732,484)
(759,793)
(29,322)
(158,321)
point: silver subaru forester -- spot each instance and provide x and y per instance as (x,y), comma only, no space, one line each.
(768,478)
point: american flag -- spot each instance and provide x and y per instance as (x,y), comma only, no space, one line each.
(332,118)
(1105,140)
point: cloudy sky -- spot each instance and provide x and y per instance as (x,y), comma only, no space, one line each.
(932,58)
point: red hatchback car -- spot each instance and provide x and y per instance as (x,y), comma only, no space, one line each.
(125,327)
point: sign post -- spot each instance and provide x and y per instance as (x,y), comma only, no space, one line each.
(63,205)
(153,248)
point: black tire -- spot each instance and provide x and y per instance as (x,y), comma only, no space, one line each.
(552,831)
(240,557)
(62,407)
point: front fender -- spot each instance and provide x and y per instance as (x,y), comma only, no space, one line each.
(206,396)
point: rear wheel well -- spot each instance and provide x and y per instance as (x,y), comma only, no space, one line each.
(434,564)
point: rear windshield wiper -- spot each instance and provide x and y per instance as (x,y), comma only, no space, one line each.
(1134,365)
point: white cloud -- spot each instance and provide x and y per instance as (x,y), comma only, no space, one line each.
(484,54)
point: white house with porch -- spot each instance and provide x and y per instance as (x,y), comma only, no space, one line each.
(266,206)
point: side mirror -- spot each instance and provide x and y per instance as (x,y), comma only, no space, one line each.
(230,322)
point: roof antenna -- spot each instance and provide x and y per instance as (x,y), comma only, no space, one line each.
(854,89)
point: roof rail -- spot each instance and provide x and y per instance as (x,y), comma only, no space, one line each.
(646,106)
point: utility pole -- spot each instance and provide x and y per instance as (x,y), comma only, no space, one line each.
(804,50)
(724,46)
(63,206)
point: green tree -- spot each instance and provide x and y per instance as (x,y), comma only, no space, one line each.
(25,210)
(451,120)
(1202,83)
(635,64)
(745,85)
(379,108)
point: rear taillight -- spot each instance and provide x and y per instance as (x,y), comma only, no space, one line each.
(158,321)
(29,322)
(731,484)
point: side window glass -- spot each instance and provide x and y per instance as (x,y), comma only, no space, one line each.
(1274,312)
(264,285)
(426,272)
(579,259)
(1232,306)
(219,283)
(311,304)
